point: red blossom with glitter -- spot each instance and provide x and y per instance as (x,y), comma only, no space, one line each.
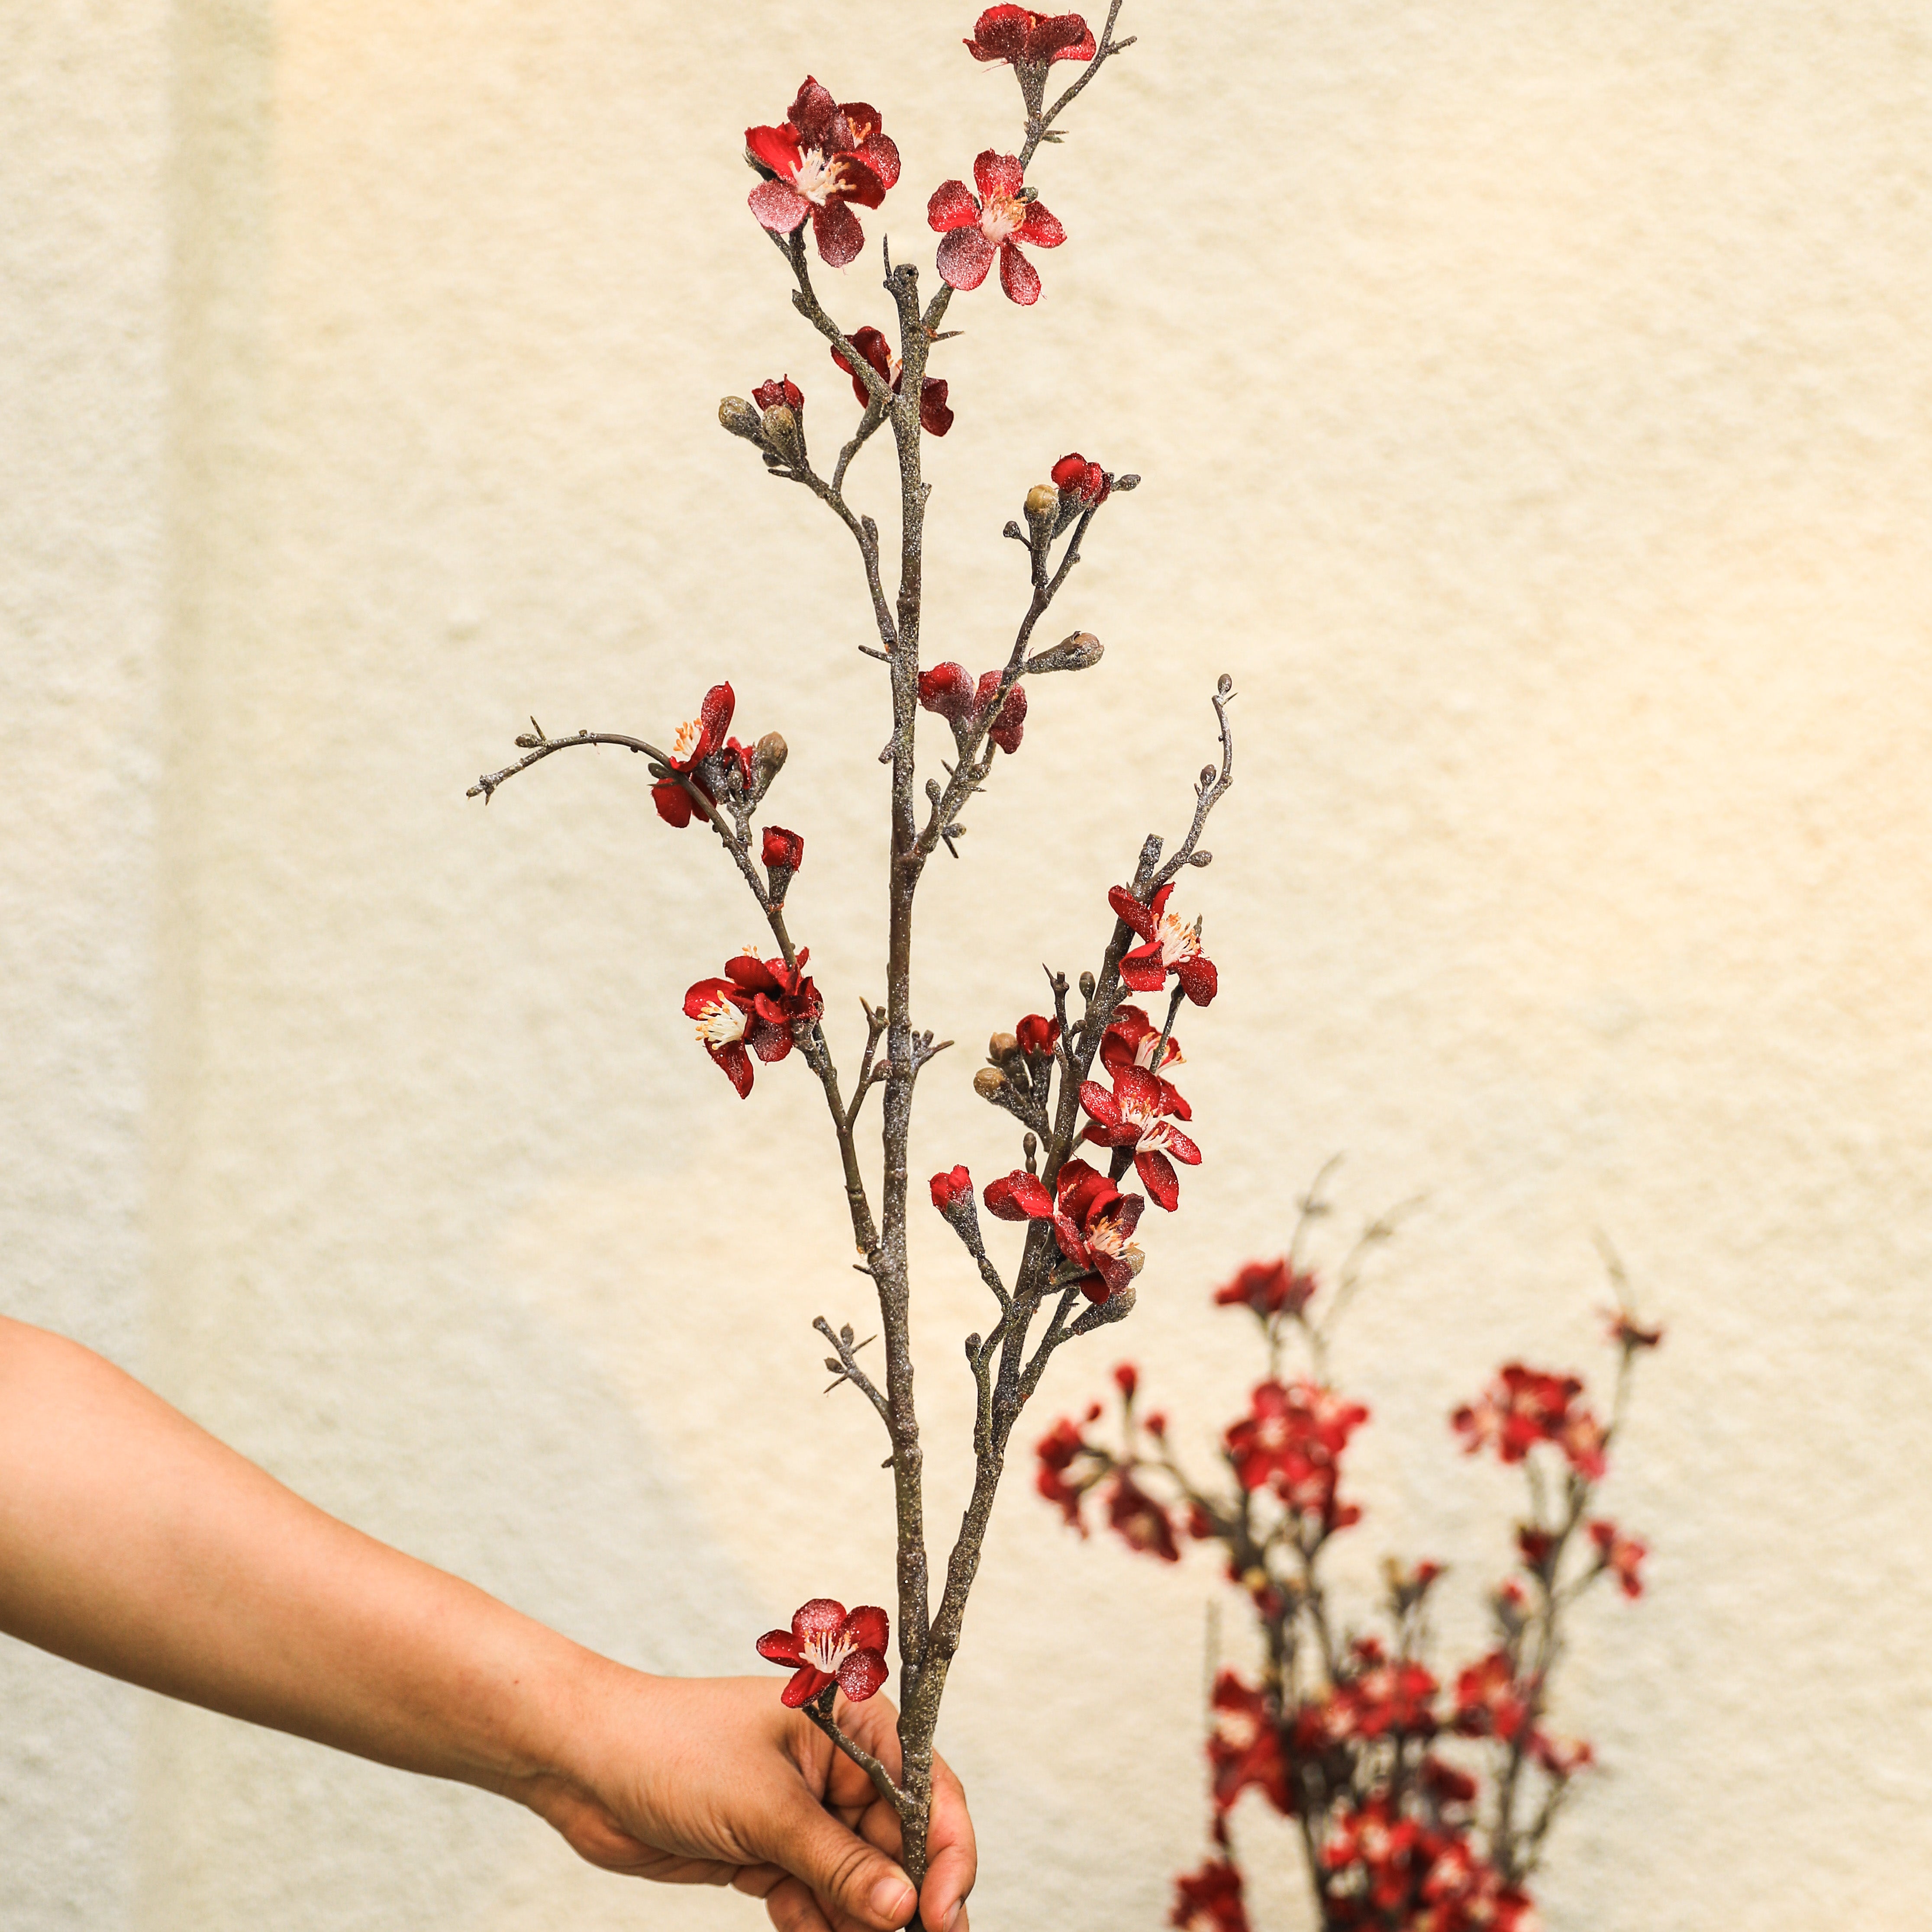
(1134,1117)
(1018,35)
(702,753)
(1269,1288)
(828,1644)
(992,224)
(759,1007)
(935,418)
(1086,484)
(781,389)
(1167,946)
(819,161)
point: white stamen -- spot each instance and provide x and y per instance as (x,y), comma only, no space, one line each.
(720,1023)
(816,177)
(1000,220)
(1177,941)
(828,1652)
(686,743)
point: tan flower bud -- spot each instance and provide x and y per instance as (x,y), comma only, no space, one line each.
(1042,509)
(741,419)
(1001,1047)
(1077,653)
(768,757)
(782,432)
(987,1081)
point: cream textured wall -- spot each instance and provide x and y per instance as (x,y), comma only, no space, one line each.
(1536,420)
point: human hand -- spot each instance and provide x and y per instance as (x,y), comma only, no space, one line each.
(713,1781)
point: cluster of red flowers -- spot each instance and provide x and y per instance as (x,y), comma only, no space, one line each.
(760,1006)
(1354,1734)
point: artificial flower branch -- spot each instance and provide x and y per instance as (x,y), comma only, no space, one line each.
(1068,1079)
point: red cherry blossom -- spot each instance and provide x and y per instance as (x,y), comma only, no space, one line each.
(1385,1846)
(1489,1701)
(1209,1899)
(1167,946)
(948,1189)
(1244,1747)
(819,158)
(994,222)
(1139,1520)
(1292,1442)
(1388,1695)
(1132,1040)
(1058,1449)
(1036,1034)
(1006,730)
(1086,483)
(1026,39)
(1092,1221)
(783,853)
(1622,1555)
(1523,1407)
(950,689)
(935,418)
(827,1645)
(760,1007)
(1535,1545)
(1131,1116)
(779,389)
(701,752)
(1269,1288)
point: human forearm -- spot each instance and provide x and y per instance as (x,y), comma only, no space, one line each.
(133,1542)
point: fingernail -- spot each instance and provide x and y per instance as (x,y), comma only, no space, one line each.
(893,1899)
(955,1919)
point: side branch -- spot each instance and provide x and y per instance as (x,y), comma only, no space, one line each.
(846,1369)
(819,1711)
(1038,123)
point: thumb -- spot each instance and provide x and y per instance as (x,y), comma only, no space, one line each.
(849,1875)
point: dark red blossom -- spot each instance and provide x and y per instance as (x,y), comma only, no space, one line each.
(948,689)
(701,752)
(1058,1449)
(949,1188)
(1133,1115)
(1490,1702)
(1139,1520)
(1026,39)
(1563,1758)
(935,418)
(760,1007)
(1209,1899)
(1386,1847)
(1534,1544)
(1622,1555)
(779,389)
(1244,1747)
(1389,1696)
(1006,730)
(783,852)
(1086,483)
(1019,1196)
(1166,946)
(951,690)
(826,1645)
(1523,1407)
(1269,1288)
(994,222)
(1036,1034)
(1292,1442)
(1127,1379)
(819,158)
(1092,1222)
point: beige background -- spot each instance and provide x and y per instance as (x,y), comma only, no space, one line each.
(1534,402)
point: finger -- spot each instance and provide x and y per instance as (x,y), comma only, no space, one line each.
(953,1857)
(792,1908)
(845,1873)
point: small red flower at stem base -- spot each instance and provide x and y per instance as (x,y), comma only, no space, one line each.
(1621,1555)
(783,853)
(1036,1034)
(1167,946)
(949,1189)
(1139,1521)
(1018,35)
(1210,1900)
(1131,1117)
(1086,483)
(696,745)
(779,389)
(994,222)
(826,1645)
(819,158)
(1269,1288)
(935,418)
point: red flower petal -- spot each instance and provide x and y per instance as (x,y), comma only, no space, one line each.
(1198,979)
(935,418)
(1069,470)
(805,1686)
(1000,34)
(1009,727)
(1142,970)
(837,232)
(964,258)
(1100,1103)
(1126,1217)
(1017,277)
(673,804)
(778,206)
(1125,905)
(861,1674)
(997,174)
(811,113)
(1065,37)
(1156,1171)
(1018,1196)
(1040,229)
(783,848)
(953,206)
(857,182)
(707,992)
(714,715)
(779,1647)
(1183,1149)
(948,688)
(821,1616)
(879,152)
(868,1627)
(948,1188)
(778,147)
(1135,1087)
(736,1062)
(1036,1034)
(751,974)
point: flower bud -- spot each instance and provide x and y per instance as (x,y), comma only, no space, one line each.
(1036,1034)
(785,434)
(988,1082)
(784,853)
(741,419)
(768,757)
(1001,1047)
(1077,653)
(1043,511)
